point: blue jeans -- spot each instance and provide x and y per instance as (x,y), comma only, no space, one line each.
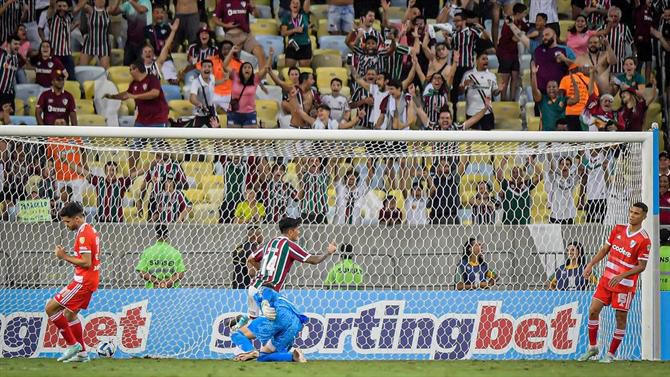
(340,18)
(242,120)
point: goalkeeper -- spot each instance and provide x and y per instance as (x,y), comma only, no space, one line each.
(276,329)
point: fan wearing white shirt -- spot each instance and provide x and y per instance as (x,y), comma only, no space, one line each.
(339,104)
(202,95)
(416,206)
(562,180)
(323,120)
(595,176)
(394,110)
(479,85)
(350,193)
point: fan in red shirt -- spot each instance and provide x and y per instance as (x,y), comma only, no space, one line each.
(45,63)
(627,250)
(66,304)
(56,103)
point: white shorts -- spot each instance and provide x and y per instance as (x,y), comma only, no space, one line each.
(253,307)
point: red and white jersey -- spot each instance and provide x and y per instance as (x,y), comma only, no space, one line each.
(277,257)
(626,249)
(87,241)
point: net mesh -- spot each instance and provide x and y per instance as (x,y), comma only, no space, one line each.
(416,215)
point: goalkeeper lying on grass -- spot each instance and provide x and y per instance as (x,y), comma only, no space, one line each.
(276,328)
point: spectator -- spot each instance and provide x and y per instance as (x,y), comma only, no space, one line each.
(60,26)
(110,190)
(56,103)
(160,168)
(9,65)
(363,100)
(600,56)
(366,27)
(233,17)
(45,64)
(324,121)
(484,204)
(186,11)
(64,196)
(172,204)
(161,265)
(664,164)
(443,187)
(596,12)
(644,19)
(423,43)
(435,94)
(16,169)
(303,97)
(30,18)
(277,195)
(243,96)
(345,273)
(663,36)
(536,32)
(137,14)
(69,158)
(634,107)
(160,66)
(595,173)
(572,112)
(156,33)
(394,109)
(552,105)
(221,73)
(551,59)
(6,115)
(480,86)
(235,173)
(350,193)
(507,52)
(203,49)
(549,9)
(202,97)
(287,86)
(416,206)
(24,53)
(473,271)
(561,182)
(599,114)
(313,193)
(440,59)
(338,104)
(515,193)
(618,36)
(241,276)
(664,199)
(393,61)
(378,91)
(365,52)
(11,13)
(295,28)
(464,41)
(390,214)
(570,275)
(96,41)
(152,109)
(340,16)
(445,121)
(250,210)
(579,35)
(630,78)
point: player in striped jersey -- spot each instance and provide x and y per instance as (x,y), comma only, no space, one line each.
(313,193)
(9,64)
(393,62)
(362,99)
(435,94)
(627,250)
(96,41)
(198,52)
(172,204)
(60,27)
(464,40)
(619,38)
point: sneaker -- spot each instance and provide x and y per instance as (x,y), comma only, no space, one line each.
(298,356)
(246,356)
(607,358)
(71,352)
(590,353)
(79,358)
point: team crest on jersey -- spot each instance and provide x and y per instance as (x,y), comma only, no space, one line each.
(243,4)
(632,243)
(144,86)
(65,101)
(50,64)
(618,236)
(82,240)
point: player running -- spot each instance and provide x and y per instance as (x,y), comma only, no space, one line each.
(63,308)
(629,246)
(276,329)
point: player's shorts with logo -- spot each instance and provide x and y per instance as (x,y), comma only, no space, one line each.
(74,297)
(617,300)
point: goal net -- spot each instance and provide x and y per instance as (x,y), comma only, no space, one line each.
(450,245)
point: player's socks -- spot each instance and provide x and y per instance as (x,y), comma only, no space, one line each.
(63,325)
(275,356)
(616,340)
(593,332)
(75,327)
(242,341)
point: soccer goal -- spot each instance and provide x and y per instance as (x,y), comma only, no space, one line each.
(451,245)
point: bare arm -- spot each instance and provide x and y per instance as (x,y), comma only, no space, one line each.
(477,117)
(282,84)
(602,253)
(352,122)
(359,80)
(73,118)
(664,42)
(141,9)
(165,51)
(316,259)
(253,266)
(537,95)
(84,261)
(575,95)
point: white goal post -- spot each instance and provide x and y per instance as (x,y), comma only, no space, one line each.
(249,140)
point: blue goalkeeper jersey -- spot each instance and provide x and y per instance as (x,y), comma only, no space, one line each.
(283,306)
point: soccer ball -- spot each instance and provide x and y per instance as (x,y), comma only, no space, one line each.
(106,349)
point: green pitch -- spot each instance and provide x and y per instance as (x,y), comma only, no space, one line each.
(213,368)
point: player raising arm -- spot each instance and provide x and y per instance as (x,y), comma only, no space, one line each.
(63,308)
(627,250)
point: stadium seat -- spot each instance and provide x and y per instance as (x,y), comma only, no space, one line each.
(119,75)
(264,11)
(396,13)
(19,106)
(274,41)
(264,27)
(274,93)
(564,26)
(460,108)
(91,120)
(267,111)
(116,59)
(319,12)
(75,57)
(205,213)
(181,107)
(215,196)
(322,28)
(564,8)
(525,61)
(326,60)
(326,51)
(23,119)
(249,58)
(493,62)
(533,123)
(31,103)
(507,115)
(89,89)
(30,76)
(127,121)
(25,91)
(208,182)
(654,114)
(171,92)
(85,106)
(88,72)
(73,88)
(195,195)
(326,74)
(335,42)
(89,198)
(180,61)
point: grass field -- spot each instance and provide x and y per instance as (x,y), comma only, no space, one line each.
(213,368)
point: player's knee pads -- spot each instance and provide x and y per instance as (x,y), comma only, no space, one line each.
(242,341)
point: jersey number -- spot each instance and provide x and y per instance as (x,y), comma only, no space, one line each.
(623,299)
(270,264)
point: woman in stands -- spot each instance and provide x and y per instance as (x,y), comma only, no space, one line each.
(569,276)
(473,271)
(295,28)
(96,41)
(579,35)
(242,111)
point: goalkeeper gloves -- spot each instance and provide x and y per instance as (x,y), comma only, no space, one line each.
(268,311)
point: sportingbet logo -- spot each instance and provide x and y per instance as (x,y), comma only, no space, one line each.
(384,328)
(27,334)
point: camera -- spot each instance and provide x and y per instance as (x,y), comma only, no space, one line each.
(293,44)
(350,59)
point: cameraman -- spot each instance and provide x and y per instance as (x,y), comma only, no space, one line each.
(202,93)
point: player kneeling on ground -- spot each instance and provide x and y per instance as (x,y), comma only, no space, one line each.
(279,325)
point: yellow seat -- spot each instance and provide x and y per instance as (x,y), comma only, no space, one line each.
(326,60)
(192,168)
(89,89)
(284,71)
(264,27)
(85,106)
(533,123)
(332,197)
(215,196)
(319,12)
(565,25)
(90,198)
(379,194)
(119,75)
(507,115)
(195,195)
(564,10)
(322,28)
(460,109)
(654,113)
(399,198)
(326,51)
(204,214)
(19,107)
(91,120)
(73,88)
(181,107)
(325,74)
(395,13)
(266,111)
(75,57)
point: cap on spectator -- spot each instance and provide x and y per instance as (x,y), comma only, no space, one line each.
(631,90)
(607,96)
(204,29)
(57,74)
(664,154)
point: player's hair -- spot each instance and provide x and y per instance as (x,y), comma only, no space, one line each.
(335,79)
(161,231)
(467,249)
(581,259)
(519,8)
(641,206)
(346,250)
(288,223)
(631,58)
(543,16)
(71,209)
